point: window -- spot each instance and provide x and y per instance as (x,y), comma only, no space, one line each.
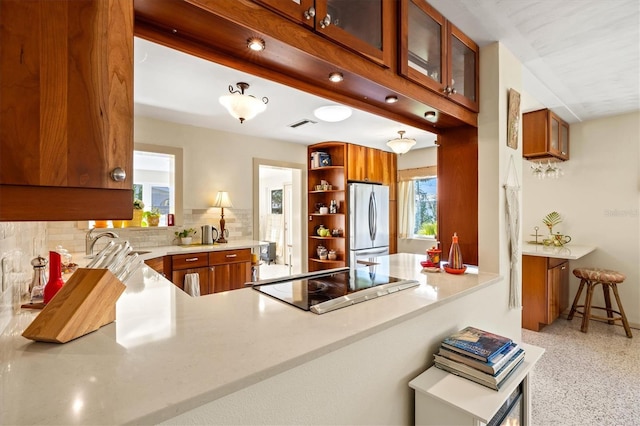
(418,203)
(426,213)
(157,179)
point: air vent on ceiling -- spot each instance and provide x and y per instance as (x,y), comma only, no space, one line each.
(302,122)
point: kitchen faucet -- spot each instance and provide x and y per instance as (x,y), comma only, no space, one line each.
(90,239)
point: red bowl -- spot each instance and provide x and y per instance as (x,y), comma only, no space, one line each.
(427,264)
(455,271)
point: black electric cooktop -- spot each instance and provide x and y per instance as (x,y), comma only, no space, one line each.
(324,292)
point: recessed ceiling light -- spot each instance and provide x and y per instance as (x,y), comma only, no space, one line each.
(430,116)
(256,44)
(391,99)
(336,77)
(333,113)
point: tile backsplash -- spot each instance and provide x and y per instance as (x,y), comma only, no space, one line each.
(71,235)
(22,241)
(19,243)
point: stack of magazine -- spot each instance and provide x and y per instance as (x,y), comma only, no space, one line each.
(485,358)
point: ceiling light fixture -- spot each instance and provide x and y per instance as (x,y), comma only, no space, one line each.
(333,113)
(241,106)
(256,44)
(401,145)
(336,77)
(430,116)
(391,99)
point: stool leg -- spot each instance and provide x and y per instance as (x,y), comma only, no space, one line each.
(607,302)
(587,307)
(576,300)
(625,323)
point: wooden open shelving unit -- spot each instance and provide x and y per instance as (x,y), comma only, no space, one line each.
(336,176)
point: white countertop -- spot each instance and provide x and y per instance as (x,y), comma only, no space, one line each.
(195,248)
(568,251)
(168,353)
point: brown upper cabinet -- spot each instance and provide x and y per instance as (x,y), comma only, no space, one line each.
(66,76)
(372,165)
(544,135)
(359,25)
(437,55)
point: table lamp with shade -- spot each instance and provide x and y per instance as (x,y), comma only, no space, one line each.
(222,201)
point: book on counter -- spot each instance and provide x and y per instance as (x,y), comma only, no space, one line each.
(486,380)
(476,343)
(490,367)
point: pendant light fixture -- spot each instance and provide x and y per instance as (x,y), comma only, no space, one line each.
(401,145)
(241,106)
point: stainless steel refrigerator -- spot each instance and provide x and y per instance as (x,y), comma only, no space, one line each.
(368,221)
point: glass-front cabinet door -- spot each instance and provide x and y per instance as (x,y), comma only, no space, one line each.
(423,50)
(463,69)
(364,26)
(358,25)
(559,137)
(435,54)
(302,11)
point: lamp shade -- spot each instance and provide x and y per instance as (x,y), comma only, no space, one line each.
(401,145)
(223,200)
(241,106)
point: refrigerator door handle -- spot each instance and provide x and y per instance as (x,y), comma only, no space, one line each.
(373,216)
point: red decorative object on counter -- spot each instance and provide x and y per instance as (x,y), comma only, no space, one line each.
(55,282)
(455,255)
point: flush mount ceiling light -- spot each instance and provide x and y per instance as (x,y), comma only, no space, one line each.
(256,44)
(391,99)
(241,106)
(336,77)
(401,145)
(333,113)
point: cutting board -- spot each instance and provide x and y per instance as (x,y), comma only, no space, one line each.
(84,304)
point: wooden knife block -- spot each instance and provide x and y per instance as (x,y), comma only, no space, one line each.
(84,304)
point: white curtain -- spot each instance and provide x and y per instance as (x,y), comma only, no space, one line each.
(406,209)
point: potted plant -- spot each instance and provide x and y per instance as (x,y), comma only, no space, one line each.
(185,235)
(138,205)
(153,217)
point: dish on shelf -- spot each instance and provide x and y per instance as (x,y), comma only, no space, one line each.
(455,271)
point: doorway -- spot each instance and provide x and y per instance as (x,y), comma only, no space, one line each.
(278,217)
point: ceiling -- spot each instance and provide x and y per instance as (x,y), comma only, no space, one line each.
(581,59)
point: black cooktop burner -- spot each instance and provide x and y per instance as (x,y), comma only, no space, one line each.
(305,292)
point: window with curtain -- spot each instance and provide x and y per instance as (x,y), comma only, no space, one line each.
(417,203)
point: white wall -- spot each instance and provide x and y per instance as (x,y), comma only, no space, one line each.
(598,199)
(424,157)
(499,72)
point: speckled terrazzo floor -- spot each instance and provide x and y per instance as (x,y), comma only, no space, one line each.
(585,379)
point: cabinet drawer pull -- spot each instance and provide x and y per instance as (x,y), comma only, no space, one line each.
(191,259)
(232,255)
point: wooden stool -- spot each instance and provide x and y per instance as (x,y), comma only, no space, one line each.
(608,279)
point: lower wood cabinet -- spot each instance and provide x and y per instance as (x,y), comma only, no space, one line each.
(230,269)
(157,264)
(204,277)
(218,271)
(545,290)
